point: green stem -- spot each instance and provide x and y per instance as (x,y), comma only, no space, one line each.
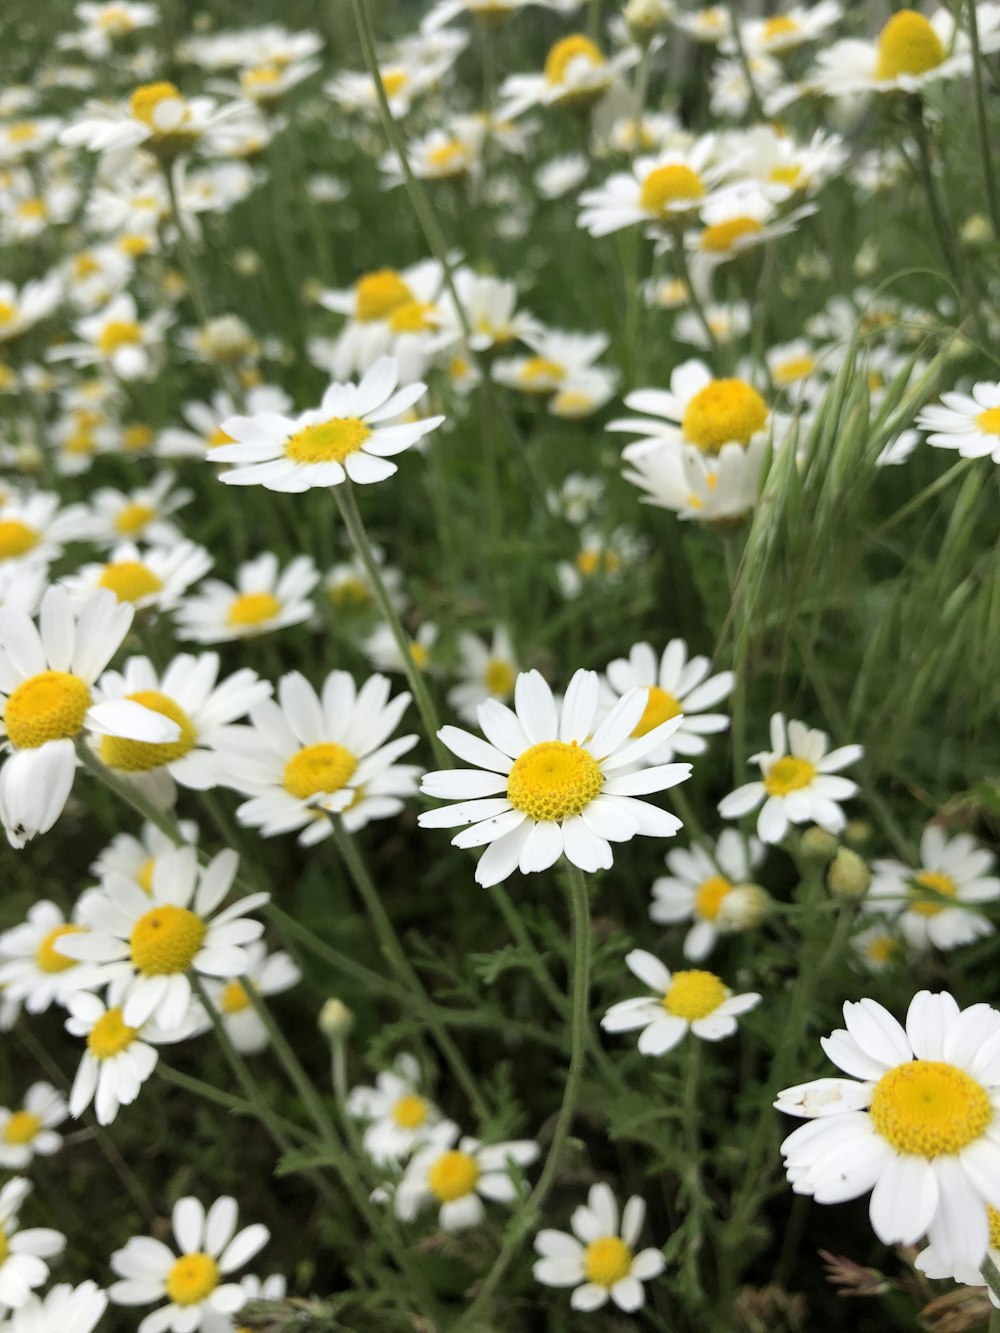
(942,229)
(526,1220)
(982,125)
(755,103)
(684,270)
(991,1276)
(237,1105)
(184,251)
(928,493)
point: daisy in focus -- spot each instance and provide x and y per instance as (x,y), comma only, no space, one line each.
(799,782)
(398,1113)
(969,423)
(599,1259)
(267,974)
(30,1130)
(22,1253)
(693,1001)
(550,780)
(264,599)
(455,1174)
(699,885)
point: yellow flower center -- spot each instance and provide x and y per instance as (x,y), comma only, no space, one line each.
(115,20)
(16,538)
(994,1221)
(724,411)
(882,949)
(591,562)
(133,244)
(4,1246)
(780,26)
(192,1279)
(607,1260)
(412,317)
(788,774)
(989,421)
(165,940)
(47,956)
(325,767)
(253,608)
(668,186)
(393,81)
(351,591)
(260,79)
(693,995)
(708,896)
(137,436)
(378,294)
(110,1035)
(660,707)
(448,158)
(7,312)
(234,998)
(410,1112)
(48,707)
(21,1128)
(32,210)
(928,1108)
(143,756)
(786,175)
(329,442)
(940,883)
(420,655)
(908,45)
(217,437)
(118,333)
(130,580)
(720,238)
(453,1176)
(795,368)
(144,101)
(134,517)
(554,780)
(144,878)
(540,368)
(566,52)
(499,678)
(22,133)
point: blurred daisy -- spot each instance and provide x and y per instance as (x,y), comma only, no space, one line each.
(22,1253)
(116,338)
(739,219)
(657,189)
(267,974)
(560,175)
(158,117)
(699,884)
(33,969)
(878,947)
(716,490)
(709,24)
(486,672)
(350,590)
(599,1260)
(205,421)
(489,12)
(676,687)
(783,167)
(30,1130)
(559,360)
(456,1174)
(139,515)
(969,423)
(210,1249)
(443,154)
(550,781)
(21,310)
(576,74)
(20,139)
(910,52)
(152,579)
(382,651)
(584,394)
(377,295)
(404,81)
(489,305)
(33,527)
(63,1309)
(693,1000)
(726,323)
(781,34)
(264,599)
(602,558)
(104,24)
(399,1116)
(135,858)
(578,499)
(798,782)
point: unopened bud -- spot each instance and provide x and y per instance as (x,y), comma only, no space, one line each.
(743,907)
(335,1020)
(246,262)
(645,17)
(818,845)
(976,231)
(848,876)
(858,833)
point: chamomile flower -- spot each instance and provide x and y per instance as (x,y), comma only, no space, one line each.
(699,884)
(784,33)
(267,974)
(709,25)
(551,781)
(717,490)
(399,1115)
(148,943)
(455,1174)
(264,599)
(103,24)
(599,1259)
(969,423)
(22,310)
(342,439)
(307,754)
(376,296)
(63,1309)
(783,167)
(20,139)
(935,903)
(910,52)
(487,672)
(22,1253)
(489,305)
(446,153)
(34,527)
(936,1265)
(798,784)
(210,1249)
(135,857)
(349,587)
(560,175)
(677,687)
(159,118)
(682,1001)
(878,947)
(559,359)
(657,189)
(915,1123)
(33,969)
(578,500)
(204,420)
(117,339)
(727,322)
(139,515)
(405,81)
(739,219)
(152,579)
(576,74)
(583,394)
(382,650)
(30,1130)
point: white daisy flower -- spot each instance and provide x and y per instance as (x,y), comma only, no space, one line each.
(148,943)
(709,25)
(727,322)
(104,24)
(22,1253)
(699,884)
(599,1260)
(382,651)
(490,308)
(677,687)
(446,153)
(33,527)
(602,558)
(899,449)
(264,599)
(202,709)
(159,118)
(578,500)
(21,310)
(487,671)
(341,439)
(656,189)
(152,579)
(559,359)
(969,423)
(798,782)
(268,974)
(205,421)
(560,175)
(736,220)
(910,52)
(210,1249)
(63,1309)
(139,515)
(30,1130)
(583,394)
(933,903)
(692,1000)
(117,339)
(308,754)
(713,489)
(33,969)
(404,81)
(135,857)
(915,1123)
(374,297)
(456,1174)
(786,32)
(20,139)
(550,781)
(399,1115)
(783,167)
(576,74)
(877,947)
(46,675)
(935,1265)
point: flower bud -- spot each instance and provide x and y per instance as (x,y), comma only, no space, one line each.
(743,907)
(645,17)
(246,262)
(849,876)
(818,845)
(858,834)
(976,231)
(335,1020)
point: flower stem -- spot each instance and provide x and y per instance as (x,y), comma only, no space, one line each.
(755,103)
(946,242)
(982,126)
(991,1276)
(237,1105)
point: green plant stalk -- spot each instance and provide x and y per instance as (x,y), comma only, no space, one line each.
(755,103)
(991,1276)
(526,1219)
(237,1105)
(684,272)
(982,125)
(946,242)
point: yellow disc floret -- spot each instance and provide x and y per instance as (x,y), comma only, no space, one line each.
(908,46)
(253,608)
(192,1279)
(133,517)
(130,580)
(144,756)
(693,995)
(499,678)
(118,333)
(325,767)
(165,940)
(110,1035)
(666,188)
(567,52)
(329,442)
(708,896)
(724,411)
(21,1128)
(940,883)
(988,421)
(378,294)
(538,372)
(928,1108)
(234,998)
(47,955)
(554,780)
(146,99)
(16,538)
(660,708)
(606,1261)
(410,1111)
(48,707)
(453,1176)
(994,1220)
(788,774)
(722,237)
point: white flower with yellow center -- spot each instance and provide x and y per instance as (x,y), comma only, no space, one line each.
(404,80)
(340,440)
(226,340)
(709,24)
(148,943)
(307,755)
(22,1253)
(699,885)
(718,490)
(783,33)
(447,153)
(487,671)
(202,708)
(20,139)
(783,167)
(139,515)
(266,974)
(152,579)
(910,52)
(21,310)
(659,189)
(490,308)
(935,1265)
(210,1249)
(382,650)
(727,322)
(96,275)
(603,559)
(105,24)
(797,369)
(576,74)
(584,393)
(135,858)
(159,118)
(599,1259)
(30,1129)
(915,1123)
(969,423)
(63,1309)
(265,82)
(878,947)
(455,1174)
(264,599)
(33,969)
(558,359)
(350,590)
(578,500)
(550,781)
(695,1001)
(798,784)
(205,420)
(34,528)
(117,339)
(935,903)
(678,687)
(399,1115)
(738,219)
(377,295)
